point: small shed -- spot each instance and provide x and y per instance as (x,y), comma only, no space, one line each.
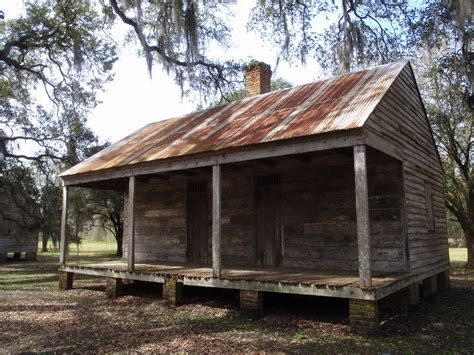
(18,229)
(333,188)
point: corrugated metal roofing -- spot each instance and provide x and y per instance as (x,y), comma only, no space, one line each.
(340,103)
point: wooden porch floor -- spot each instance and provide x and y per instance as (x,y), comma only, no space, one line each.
(286,280)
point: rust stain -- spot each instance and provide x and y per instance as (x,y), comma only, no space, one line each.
(340,103)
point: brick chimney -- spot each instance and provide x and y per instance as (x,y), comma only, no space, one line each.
(257,78)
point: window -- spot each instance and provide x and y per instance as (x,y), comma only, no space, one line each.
(267,180)
(429,208)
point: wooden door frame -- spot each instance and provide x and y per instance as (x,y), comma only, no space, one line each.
(255,187)
(206,193)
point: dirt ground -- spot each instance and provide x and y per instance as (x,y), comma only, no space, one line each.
(35,317)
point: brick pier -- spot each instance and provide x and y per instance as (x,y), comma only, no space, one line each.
(173,292)
(251,303)
(364,316)
(65,280)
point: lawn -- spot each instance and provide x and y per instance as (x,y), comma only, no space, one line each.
(86,248)
(458,258)
(35,317)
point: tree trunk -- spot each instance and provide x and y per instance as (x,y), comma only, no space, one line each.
(44,242)
(55,243)
(119,238)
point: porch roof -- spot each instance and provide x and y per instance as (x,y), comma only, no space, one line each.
(338,104)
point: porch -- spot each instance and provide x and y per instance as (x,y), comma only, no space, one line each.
(291,223)
(327,283)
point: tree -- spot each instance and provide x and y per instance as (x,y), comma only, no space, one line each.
(61,51)
(357,33)
(446,88)
(107,209)
(176,34)
(58,49)
(50,206)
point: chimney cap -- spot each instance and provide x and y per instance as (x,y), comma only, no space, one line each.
(255,63)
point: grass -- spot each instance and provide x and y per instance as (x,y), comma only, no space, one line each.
(35,317)
(458,258)
(85,248)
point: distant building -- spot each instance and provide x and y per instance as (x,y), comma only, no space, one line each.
(18,229)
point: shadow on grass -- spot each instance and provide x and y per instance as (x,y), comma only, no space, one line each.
(31,281)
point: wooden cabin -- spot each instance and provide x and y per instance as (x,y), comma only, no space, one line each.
(18,229)
(333,189)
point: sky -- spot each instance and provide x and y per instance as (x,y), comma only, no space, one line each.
(134,99)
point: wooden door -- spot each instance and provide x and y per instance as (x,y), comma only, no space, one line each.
(268,226)
(198,223)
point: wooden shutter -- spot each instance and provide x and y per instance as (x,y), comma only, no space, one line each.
(429,208)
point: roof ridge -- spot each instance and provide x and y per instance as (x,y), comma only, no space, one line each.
(250,98)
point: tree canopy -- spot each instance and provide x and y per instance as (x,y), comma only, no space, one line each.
(53,60)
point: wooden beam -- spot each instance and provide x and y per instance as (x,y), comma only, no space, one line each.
(265,162)
(150,177)
(142,179)
(362,212)
(184,173)
(131,223)
(158,177)
(320,142)
(64,241)
(216,221)
(384,145)
(301,158)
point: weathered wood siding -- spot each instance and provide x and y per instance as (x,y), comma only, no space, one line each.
(160,221)
(317,219)
(15,237)
(400,119)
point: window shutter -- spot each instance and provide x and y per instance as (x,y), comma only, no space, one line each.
(429,208)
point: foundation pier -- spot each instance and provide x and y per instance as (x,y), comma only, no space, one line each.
(364,316)
(173,292)
(443,280)
(402,300)
(113,287)
(251,303)
(65,280)
(429,286)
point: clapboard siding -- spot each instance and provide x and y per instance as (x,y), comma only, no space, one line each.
(400,119)
(160,221)
(18,232)
(318,219)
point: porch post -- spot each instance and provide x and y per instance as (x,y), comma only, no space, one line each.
(362,212)
(131,223)
(216,221)
(63,247)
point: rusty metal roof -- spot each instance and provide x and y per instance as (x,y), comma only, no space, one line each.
(340,103)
